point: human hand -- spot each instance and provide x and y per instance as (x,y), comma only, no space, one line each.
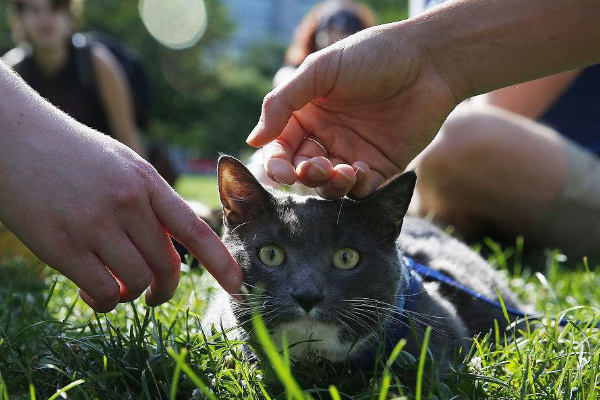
(354,114)
(94,210)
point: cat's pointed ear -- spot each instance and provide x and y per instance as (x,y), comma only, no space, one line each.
(390,202)
(242,196)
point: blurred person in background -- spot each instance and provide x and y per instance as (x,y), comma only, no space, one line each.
(325,24)
(83,79)
(522,160)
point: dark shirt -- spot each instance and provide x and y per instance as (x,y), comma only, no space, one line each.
(576,114)
(73,89)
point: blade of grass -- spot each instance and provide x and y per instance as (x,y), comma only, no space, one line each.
(31,392)
(279,365)
(180,360)
(50,293)
(175,381)
(66,388)
(387,376)
(422,358)
(335,394)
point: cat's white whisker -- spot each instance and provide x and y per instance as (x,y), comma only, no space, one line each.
(388,312)
(352,331)
(242,224)
(426,315)
(353,317)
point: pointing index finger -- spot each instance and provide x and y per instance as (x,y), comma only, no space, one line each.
(185,226)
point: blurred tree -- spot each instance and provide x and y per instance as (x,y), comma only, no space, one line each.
(5,39)
(266,57)
(388,10)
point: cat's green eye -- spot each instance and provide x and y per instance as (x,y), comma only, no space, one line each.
(346,258)
(271,256)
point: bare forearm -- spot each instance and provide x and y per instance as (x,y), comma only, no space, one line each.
(23,113)
(482,45)
(15,99)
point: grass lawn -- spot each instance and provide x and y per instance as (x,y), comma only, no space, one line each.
(53,346)
(202,188)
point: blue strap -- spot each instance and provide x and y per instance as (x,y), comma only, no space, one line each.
(398,329)
(408,301)
(433,274)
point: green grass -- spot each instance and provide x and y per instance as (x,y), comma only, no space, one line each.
(53,346)
(202,188)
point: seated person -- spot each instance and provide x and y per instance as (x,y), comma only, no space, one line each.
(85,81)
(522,160)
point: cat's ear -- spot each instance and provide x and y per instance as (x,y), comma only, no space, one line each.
(390,202)
(242,196)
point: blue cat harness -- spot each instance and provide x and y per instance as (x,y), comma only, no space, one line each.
(413,277)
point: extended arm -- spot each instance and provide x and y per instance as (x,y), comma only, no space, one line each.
(482,45)
(93,209)
(377,98)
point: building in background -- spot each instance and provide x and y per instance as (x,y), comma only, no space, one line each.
(260,20)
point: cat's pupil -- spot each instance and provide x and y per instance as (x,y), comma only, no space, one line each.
(272,254)
(345,257)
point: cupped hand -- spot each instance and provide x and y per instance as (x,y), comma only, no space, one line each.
(94,210)
(354,114)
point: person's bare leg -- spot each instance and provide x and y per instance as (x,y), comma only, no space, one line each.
(490,168)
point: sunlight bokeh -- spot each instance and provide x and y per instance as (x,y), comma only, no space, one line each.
(177,24)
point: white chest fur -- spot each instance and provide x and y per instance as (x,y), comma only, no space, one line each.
(308,336)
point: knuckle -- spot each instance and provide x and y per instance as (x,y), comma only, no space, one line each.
(170,267)
(107,294)
(198,229)
(174,263)
(231,277)
(268,102)
(131,189)
(145,171)
(310,60)
(231,270)
(141,283)
(92,218)
(125,197)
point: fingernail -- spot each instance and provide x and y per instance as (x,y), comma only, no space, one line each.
(341,179)
(278,169)
(317,173)
(276,179)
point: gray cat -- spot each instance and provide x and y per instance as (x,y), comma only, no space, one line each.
(333,278)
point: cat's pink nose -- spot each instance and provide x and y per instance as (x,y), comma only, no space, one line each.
(308,301)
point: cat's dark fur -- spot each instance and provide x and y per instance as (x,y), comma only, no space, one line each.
(352,304)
